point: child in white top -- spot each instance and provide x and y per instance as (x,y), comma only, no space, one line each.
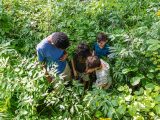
(94,64)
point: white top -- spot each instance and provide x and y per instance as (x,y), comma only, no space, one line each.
(103,75)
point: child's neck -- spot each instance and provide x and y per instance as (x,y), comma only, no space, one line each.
(49,38)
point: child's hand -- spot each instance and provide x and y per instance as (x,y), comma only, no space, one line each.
(48,77)
(89,71)
(64,57)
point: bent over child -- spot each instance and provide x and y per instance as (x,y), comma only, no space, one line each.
(50,51)
(94,64)
(79,63)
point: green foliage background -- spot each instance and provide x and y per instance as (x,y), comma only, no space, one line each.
(134,31)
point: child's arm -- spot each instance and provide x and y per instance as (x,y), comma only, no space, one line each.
(74,70)
(94,52)
(41,60)
(64,57)
(48,77)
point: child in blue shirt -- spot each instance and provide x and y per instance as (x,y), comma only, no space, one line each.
(50,51)
(101,48)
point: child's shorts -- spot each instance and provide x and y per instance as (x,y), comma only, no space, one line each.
(67,72)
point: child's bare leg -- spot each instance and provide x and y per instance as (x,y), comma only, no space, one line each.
(86,85)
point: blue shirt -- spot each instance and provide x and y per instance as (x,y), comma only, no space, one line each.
(100,52)
(50,54)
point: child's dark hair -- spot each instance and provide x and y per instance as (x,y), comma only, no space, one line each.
(60,40)
(93,62)
(102,37)
(83,50)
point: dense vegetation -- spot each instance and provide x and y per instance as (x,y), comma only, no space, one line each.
(134,31)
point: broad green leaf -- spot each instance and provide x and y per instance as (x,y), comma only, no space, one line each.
(138,118)
(128,98)
(153,41)
(149,104)
(157,98)
(140,92)
(157,88)
(140,106)
(158,76)
(98,114)
(114,103)
(136,80)
(152,114)
(111,111)
(156,108)
(150,75)
(72,110)
(121,109)
(121,88)
(80,107)
(150,86)
(153,47)
(132,110)
(152,70)
(126,70)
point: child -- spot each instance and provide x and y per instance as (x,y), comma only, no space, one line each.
(94,64)
(101,48)
(51,50)
(79,63)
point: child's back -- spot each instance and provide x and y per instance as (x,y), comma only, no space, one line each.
(79,64)
(79,59)
(103,75)
(94,64)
